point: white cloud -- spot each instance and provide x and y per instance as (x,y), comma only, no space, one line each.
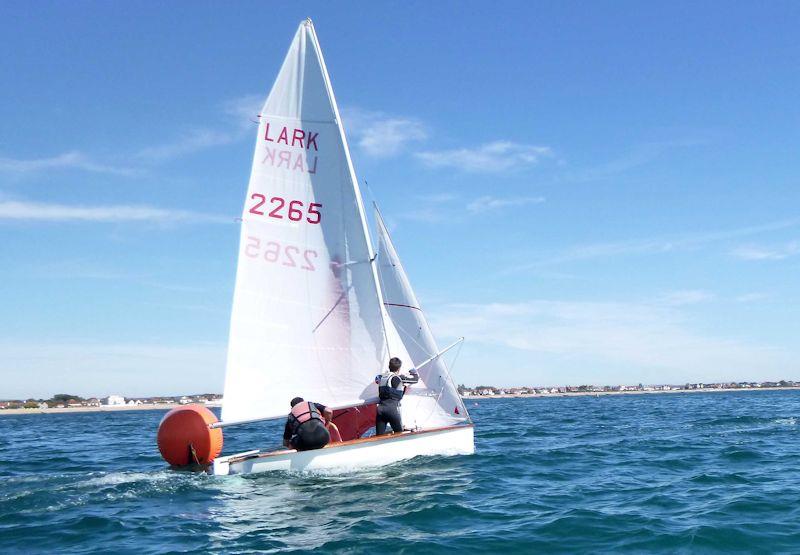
(426,214)
(755,252)
(489,203)
(244,110)
(37,211)
(655,245)
(382,135)
(431,207)
(68,160)
(438,198)
(637,156)
(242,114)
(686,297)
(635,340)
(751,297)
(496,156)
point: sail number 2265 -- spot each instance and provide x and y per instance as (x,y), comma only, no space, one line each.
(280,208)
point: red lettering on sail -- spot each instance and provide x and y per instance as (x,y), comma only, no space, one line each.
(284,136)
(312,139)
(286,255)
(298,136)
(295,210)
(289,160)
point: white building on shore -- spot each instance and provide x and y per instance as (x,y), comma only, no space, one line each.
(115,400)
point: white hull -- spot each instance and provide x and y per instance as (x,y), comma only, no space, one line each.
(353,455)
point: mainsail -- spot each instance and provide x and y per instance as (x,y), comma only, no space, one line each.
(307,318)
(434,402)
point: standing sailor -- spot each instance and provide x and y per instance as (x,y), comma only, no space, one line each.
(306,425)
(391,387)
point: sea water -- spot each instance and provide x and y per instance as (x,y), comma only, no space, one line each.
(695,472)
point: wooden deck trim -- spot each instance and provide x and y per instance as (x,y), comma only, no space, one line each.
(372,439)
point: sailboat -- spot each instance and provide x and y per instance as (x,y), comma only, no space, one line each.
(317,312)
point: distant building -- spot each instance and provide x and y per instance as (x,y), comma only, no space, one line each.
(115,400)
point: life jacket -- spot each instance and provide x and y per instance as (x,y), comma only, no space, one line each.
(385,389)
(303,412)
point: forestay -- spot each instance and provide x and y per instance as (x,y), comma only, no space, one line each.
(307,317)
(435,401)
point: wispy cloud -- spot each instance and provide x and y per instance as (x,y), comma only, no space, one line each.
(687,297)
(244,110)
(382,135)
(635,157)
(496,156)
(757,252)
(431,208)
(69,160)
(438,198)
(38,211)
(438,206)
(241,114)
(633,337)
(654,245)
(751,297)
(489,203)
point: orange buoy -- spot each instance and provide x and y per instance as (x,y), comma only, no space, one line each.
(186,438)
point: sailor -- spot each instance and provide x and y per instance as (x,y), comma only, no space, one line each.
(306,425)
(391,387)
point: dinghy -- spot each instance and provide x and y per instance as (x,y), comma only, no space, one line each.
(317,313)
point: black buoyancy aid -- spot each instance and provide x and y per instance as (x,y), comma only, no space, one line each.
(303,412)
(387,391)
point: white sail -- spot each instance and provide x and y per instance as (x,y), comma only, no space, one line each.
(435,401)
(307,318)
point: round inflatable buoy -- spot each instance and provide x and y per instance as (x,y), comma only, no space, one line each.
(185,438)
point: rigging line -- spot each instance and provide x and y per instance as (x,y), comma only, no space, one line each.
(450,375)
(425,349)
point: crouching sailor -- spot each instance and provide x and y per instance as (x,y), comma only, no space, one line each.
(306,425)
(391,387)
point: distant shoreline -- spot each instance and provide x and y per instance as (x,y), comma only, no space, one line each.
(168,406)
(633,392)
(101,408)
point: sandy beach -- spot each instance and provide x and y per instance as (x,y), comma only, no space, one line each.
(101,408)
(167,406)
(599,393)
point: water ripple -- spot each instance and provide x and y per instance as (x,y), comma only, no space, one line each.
(668,473)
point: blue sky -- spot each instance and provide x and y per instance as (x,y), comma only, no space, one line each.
(589,192)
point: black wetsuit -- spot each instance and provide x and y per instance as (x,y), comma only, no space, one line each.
(311,434)
(388,410)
